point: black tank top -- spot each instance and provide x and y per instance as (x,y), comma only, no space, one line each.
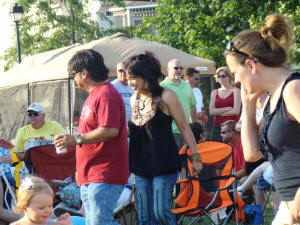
(280,143)
(152,148)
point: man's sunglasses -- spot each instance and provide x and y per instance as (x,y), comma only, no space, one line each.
(224,132)
(230,47)
(121,71)
(30,114)
(222,76)
(196,78)
(178,68)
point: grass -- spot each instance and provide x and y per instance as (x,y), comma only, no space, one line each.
(267,219)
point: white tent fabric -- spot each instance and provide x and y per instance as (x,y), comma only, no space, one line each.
(52,65)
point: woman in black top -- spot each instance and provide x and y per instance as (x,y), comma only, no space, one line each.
(257,59)
(153,153)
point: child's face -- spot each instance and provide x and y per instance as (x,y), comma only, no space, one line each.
(40,208)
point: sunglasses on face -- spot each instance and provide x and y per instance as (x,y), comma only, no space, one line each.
(121,71)
(178,68)
(222,76)
(73,74)
(30,114)
(230,47)
(224,132)
(196,78)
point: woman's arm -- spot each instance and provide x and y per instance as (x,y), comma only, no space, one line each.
(249,130)
(213,111)
(175,110)
(6,215)
(237,102)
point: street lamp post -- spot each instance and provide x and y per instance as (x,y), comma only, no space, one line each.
(16,13)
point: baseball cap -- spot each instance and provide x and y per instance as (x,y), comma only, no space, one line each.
(37,107)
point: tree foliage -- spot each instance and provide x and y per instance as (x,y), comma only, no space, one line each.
(46,25)
(203,27)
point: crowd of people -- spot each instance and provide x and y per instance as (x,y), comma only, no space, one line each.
(137,123)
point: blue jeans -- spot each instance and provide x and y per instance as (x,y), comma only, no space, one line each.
(99,200)
(154,196)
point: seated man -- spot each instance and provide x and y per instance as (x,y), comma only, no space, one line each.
(233,137)
(38,128)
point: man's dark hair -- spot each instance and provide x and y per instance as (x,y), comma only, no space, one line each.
(91,61)
(197,129)
(190,72)
(230,124)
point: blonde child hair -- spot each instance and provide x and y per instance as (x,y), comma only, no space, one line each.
(30,186)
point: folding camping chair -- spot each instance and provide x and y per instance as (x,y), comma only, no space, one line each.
(46,163)
(126,214)
(212,194)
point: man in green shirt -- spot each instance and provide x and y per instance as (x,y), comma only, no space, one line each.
(184,92)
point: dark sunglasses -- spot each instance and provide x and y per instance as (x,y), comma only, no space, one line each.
(121,71)
(230,47)
(196,78)
(224,132)
(222,76)
(178,68)
(30,114)
(73,74)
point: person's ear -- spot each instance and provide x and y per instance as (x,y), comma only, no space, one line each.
(251,64)
(84,74)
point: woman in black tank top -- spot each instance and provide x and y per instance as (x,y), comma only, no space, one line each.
(153,153)
(257,59)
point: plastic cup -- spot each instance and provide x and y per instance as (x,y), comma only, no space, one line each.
(61,150)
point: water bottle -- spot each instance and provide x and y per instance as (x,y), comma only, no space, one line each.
(69,179)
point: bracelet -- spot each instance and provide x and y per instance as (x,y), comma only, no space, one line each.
(195,157)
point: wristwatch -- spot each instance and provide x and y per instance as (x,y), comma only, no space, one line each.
(78,140)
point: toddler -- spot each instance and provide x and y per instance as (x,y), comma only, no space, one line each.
(35,201)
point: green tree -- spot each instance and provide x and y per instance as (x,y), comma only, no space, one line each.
(46,25)
(203,27)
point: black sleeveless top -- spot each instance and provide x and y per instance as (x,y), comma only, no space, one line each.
(152,148)
(280,143)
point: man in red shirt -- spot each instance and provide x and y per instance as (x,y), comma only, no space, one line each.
(102,148)
(233,137)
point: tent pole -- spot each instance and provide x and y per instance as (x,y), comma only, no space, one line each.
(28,95)
(70,105)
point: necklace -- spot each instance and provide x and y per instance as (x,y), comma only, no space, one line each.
(138,116)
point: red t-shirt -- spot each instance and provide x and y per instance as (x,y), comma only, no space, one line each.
(104,162)
(222,103)
(238,157)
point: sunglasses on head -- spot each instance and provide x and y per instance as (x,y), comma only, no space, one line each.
(230,47)
(121,71)
(221,76)
(32,113)
(178,68)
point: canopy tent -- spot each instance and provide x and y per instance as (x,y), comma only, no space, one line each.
(44,78)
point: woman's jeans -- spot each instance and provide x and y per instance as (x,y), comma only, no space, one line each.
(154,196)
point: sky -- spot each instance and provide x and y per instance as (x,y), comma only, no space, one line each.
(7,28)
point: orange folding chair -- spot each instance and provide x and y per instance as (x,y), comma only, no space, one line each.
(212,194)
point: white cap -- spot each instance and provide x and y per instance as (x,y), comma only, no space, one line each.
(37,107)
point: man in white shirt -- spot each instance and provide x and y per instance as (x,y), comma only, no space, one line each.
(123,88)
(192,77)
